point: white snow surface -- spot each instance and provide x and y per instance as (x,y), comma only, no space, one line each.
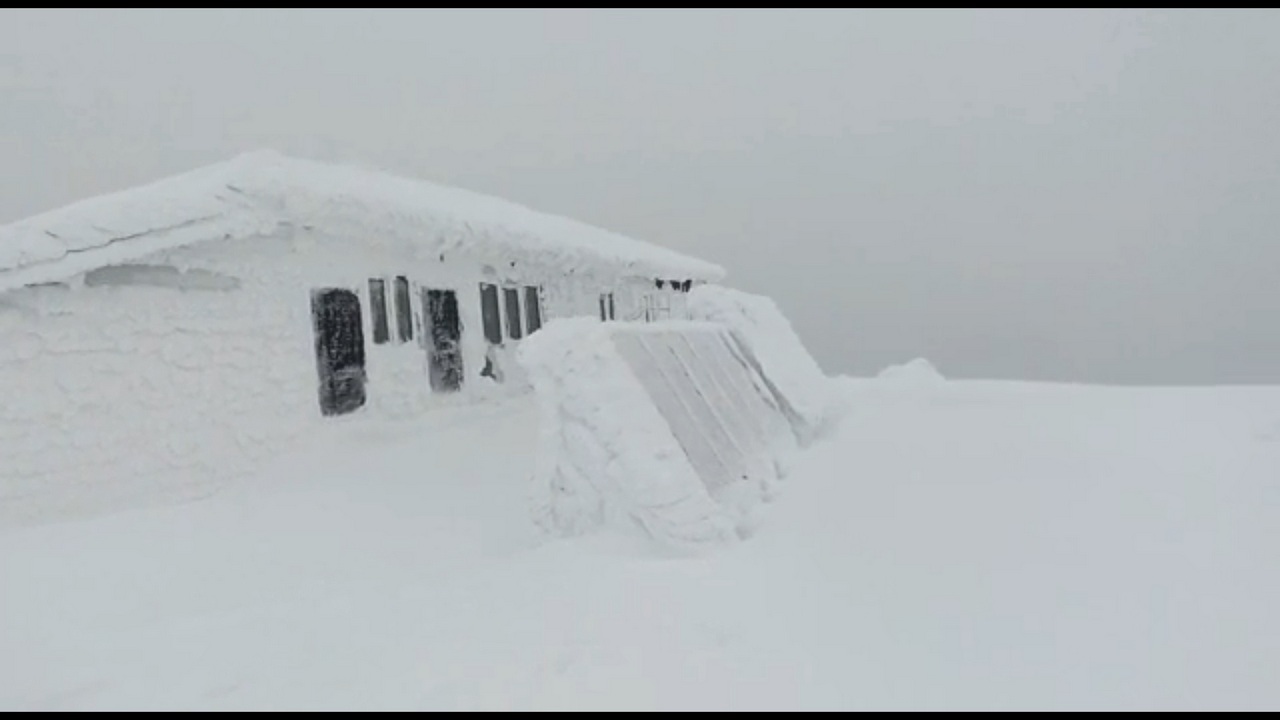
(252,193)
(959,545)
(782,356)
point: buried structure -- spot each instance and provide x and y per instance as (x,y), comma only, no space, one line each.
(156,339)
(681,428)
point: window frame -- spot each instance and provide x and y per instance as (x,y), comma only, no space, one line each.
(379,322)
(491,322)
(532,309)
(403,301)
(511,308)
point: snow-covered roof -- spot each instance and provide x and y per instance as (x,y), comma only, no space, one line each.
(254,192)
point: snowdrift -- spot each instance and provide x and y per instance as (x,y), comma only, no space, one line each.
(783,358)
(917,372)
(672,426)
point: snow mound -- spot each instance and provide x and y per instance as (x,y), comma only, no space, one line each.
(666,425)
(783,358)
(918,371)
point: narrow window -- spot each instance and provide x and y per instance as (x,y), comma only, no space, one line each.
(442,331)
(378,308)
(532,309)
(604,315)
(613,315)
(607,307)
(512,298)
(489,313)
(404,314)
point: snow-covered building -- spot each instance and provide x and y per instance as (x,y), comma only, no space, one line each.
(213,315)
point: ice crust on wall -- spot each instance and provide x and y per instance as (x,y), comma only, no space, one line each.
(783,358)
(117,394)
(166,381)
(611,452)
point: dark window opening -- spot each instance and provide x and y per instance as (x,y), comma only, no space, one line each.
(512,298)
(607,309)
(339,339)
(378,308)
(613,315)
(404,312)
(489,313)
(532,309)
(659,283)
(444,331)
(688,284)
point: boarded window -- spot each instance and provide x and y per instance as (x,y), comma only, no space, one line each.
(489,313)
(532,309)
(404,313)
(443,333)
(512,298)
(336,318)
(378,310)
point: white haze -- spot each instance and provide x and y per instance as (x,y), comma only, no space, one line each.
(1049,194)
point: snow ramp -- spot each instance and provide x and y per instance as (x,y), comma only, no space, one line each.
(671,426)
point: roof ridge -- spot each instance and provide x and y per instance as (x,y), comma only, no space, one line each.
(298,188)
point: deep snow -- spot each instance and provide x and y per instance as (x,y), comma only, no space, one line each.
(954,545)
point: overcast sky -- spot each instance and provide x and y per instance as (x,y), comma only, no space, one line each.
(1047,194)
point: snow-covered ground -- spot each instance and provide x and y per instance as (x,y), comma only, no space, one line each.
(955,545)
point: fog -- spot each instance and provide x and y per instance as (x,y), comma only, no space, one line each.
(1079,195)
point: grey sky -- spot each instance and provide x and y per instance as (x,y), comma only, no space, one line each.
(1047,194)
